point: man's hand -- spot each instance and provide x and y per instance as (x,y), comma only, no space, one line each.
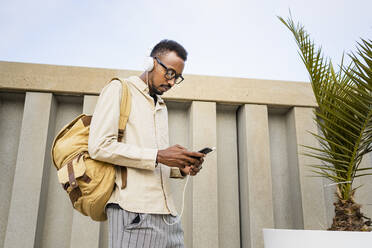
(178,156)
(193,169)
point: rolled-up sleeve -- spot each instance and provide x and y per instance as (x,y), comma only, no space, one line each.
(103,142)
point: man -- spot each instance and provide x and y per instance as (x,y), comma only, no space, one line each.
(139,212)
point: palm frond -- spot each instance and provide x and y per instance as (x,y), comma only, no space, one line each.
(344,113)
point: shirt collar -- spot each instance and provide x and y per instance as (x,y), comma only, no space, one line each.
(142,86)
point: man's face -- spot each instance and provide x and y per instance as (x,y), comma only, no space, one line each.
(158,84)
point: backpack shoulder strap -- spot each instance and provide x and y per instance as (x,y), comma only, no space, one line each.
(125,107)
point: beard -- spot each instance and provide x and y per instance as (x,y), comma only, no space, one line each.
(159,90)
(155,91)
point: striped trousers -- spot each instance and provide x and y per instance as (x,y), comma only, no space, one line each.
(138,230)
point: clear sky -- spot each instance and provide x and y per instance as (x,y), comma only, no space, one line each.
(225,38)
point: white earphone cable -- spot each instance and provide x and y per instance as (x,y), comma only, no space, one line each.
(183,205)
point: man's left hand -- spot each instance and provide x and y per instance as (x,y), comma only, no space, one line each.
(192,170)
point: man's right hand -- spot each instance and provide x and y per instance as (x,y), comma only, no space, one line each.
(178,156)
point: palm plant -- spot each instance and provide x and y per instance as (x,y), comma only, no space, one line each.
(344,118)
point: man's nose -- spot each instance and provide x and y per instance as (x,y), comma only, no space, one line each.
(172,82)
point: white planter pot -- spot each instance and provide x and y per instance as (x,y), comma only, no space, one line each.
(283,238)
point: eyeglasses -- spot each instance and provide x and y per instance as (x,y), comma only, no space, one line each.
(170,73)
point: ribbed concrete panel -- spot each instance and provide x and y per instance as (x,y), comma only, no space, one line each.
(45,179)
(85,231)
(11,112)
(363,195)
(32,164)
(254,174)
(228,178)
(329,197)
(205,189)
(178,121)
(293,172)
(58,213)
(103,234)
(286,193)
(300,121)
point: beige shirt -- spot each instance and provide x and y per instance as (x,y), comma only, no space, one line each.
(147,189)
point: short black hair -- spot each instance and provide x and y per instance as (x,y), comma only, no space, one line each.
(166,46)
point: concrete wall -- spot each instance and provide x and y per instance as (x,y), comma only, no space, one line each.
(256,179)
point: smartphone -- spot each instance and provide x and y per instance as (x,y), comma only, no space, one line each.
(207,150)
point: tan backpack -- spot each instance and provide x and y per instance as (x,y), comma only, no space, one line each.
(88,182)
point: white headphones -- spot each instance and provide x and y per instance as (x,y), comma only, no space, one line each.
(148,64)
